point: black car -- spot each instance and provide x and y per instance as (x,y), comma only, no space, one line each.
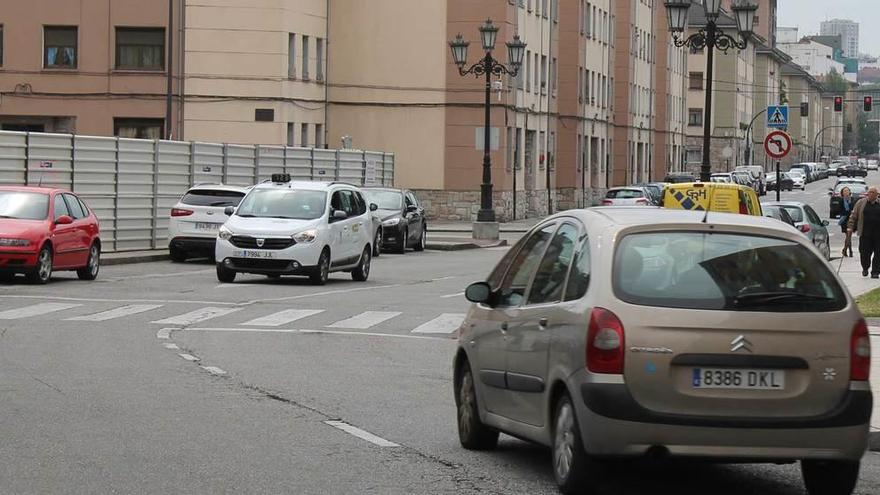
(787,184)
(680,177)
(403,218)
(836,201)
(777,212)
(655,190)
(852,171)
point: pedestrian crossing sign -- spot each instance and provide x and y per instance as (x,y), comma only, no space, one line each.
(777,116)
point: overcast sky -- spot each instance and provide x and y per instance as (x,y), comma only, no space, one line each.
(807,14)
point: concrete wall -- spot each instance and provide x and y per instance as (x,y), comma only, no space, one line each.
(88,98)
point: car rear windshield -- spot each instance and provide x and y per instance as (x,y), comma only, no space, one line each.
(795,212)
(854,187)
(625,194)
(385,200)
(283,203)
(24,205)
(212,197)
(719,271)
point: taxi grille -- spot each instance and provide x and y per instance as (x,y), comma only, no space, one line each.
(248,242)
(260,264)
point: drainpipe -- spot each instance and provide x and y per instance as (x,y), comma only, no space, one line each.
(327,76)
(169,71)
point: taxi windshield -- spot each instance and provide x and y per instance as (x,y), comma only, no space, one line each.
(283,203)
(24,205)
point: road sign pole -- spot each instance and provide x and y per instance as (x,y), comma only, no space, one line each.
(778,180)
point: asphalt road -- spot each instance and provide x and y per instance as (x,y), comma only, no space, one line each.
(157,379)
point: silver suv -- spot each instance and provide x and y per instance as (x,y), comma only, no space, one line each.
(634,332)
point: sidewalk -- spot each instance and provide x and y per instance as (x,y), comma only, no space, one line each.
(516,226)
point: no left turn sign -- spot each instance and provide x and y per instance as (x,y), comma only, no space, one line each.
(777,144)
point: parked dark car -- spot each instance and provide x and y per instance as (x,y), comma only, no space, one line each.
(655,189)
(852,171)
(836,201)
(777,212)
(680,177)
(403,218)
(787,184)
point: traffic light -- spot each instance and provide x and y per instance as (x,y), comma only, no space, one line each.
(869,103)
(838,103)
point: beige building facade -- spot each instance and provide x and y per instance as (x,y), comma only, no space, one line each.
(88,67)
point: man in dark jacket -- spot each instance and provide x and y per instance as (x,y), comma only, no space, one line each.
(865,219)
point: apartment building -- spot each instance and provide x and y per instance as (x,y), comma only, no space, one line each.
(256,71)
(801,87)
(848,31)
(671,87)
(89,67)
(830,141)
(634,91)
(767,91)
(586,54)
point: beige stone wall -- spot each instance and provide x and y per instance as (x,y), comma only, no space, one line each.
(237,62)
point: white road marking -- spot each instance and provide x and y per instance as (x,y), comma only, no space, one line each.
(119,312)
(196,316)
(318,294)
(213,370)
(157,275)
(372,334)
(235,286)
(500,248)
(173,347)
(441,278)
(189,357)
(445,323)
(246,330)
(165,333)
(447,296)
(283,317)
(104,300)
(35,310)
(363,435)
(365,320)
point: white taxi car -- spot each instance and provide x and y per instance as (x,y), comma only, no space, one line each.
(196,218)
(297,228)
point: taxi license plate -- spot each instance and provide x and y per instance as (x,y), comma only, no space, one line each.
(207,226)
(253,254)
(741,379)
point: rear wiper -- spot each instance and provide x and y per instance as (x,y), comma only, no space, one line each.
(758,298)
(246,215)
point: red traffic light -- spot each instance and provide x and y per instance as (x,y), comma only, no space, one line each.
(869,103)
(838,103)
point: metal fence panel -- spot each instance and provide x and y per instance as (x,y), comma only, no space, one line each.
(131,184)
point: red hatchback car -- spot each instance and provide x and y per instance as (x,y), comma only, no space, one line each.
(44,230)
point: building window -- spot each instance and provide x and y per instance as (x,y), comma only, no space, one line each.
(319,135)
(319,62)
(59,47)
(304,136)
(140,48)
(290,133)
(696,80)
(528,71)
(291,55)
(139,128)
(544,74)
(695,117)
(694,155)
(305,58)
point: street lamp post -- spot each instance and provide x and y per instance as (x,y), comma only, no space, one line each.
(710,37)
(488,66)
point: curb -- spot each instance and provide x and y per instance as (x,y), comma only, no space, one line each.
(874,441)
(461,246)
(468,230)
(139,258)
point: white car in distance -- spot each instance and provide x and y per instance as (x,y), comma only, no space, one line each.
(197,217)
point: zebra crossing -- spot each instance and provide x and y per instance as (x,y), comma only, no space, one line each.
(171,315)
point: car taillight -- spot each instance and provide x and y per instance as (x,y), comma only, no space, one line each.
(860,352)
(605,339)
(607,202)
(743,209)
(804,227)
(641,201)
(180,212)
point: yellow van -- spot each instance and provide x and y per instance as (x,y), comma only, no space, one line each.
(712,196)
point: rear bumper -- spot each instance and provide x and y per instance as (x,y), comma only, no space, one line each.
(17,261)
(614,424)
(193,244)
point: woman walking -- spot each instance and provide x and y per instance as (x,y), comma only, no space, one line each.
(847,204)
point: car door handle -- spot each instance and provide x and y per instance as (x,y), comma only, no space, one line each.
(542,323)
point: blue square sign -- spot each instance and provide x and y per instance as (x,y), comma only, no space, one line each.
(777,116)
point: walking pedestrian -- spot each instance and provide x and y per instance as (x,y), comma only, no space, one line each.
(865,219)
(847,204)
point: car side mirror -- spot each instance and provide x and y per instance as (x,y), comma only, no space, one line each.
(229,210)
(411,208)
(825,222)
(478,292)
(339,215)
(374,207)
(64,220)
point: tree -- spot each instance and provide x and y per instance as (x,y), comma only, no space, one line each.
(834,82)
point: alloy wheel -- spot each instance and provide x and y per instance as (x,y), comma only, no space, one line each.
(563,445)
(45,264)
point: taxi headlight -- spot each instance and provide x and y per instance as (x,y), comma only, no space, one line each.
(391,222)
(306,236)
(224,234)
(6,241)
